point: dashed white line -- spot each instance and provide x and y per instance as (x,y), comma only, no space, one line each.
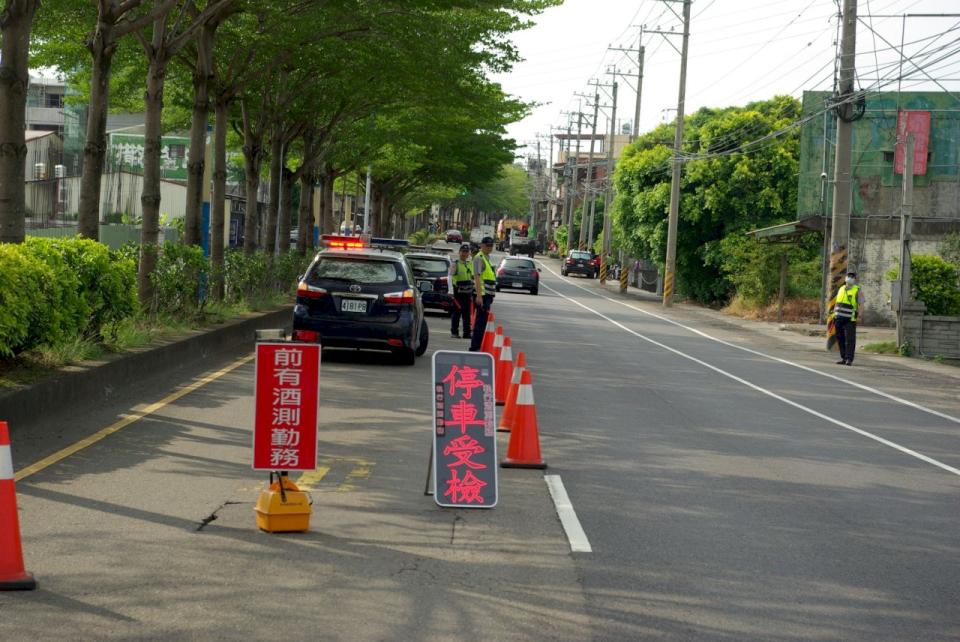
(568,517)
(769,393)
(880,393)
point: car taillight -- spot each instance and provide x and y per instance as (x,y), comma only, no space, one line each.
(500,271)
(569,261)
(306,335)
(442,283)
(309,291)
(399,298)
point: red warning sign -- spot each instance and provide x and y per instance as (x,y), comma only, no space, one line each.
(918,124)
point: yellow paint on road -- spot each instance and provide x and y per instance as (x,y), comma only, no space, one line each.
(361,471)
(309,479)
(60,455)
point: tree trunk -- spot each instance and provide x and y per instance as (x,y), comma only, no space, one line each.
(305,215)
(202,75)
(383,214)
(269,240)
(286,204)
(150,197)
(217,206)
(102,49)
(16,22)
(327,211)
(252,158)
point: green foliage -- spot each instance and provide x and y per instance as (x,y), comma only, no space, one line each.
(753,269)
(935,283)
(255,278)
(721,195)
(180,271)
(560,236)
(882,347)
(950,248)
(424,237)
(21,292)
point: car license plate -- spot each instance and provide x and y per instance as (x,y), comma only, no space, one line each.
(353,305)
(517,284)
(420,285)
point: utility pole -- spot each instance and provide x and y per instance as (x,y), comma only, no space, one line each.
(366,204)
(671,266)
(609,188)
(906,233)
(586,224)
(568,199)
(840,228)
(575,182)
(641,50)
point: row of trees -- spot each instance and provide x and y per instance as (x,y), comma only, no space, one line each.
(723,195)
(308,90)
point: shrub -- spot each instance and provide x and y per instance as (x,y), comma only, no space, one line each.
(21,298)
(935,283)
(180,271)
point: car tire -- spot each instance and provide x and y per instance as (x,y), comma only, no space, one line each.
(424,339)
(535,291)
(496,289)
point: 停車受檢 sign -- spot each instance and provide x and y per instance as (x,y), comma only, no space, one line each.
(464,430)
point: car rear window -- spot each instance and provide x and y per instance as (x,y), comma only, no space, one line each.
(580,255)
(356,270)
(429,266)
(518,264)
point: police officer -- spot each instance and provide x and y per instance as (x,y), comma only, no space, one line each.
(485,284)
(847,311)
(461,278)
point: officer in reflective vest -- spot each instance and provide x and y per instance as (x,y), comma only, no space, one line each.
(461,278)
(485,284)
(847,311)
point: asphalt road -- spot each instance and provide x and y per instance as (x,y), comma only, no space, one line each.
(731,486)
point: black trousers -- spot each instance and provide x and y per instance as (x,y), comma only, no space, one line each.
(846,337)
(480,323)
(461,310)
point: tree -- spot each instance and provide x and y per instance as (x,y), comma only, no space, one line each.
(16,22)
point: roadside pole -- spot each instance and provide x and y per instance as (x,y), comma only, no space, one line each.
(609,191)
(366,205)
(585,223)
(905,292)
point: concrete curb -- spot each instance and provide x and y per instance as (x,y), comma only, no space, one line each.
(96,381)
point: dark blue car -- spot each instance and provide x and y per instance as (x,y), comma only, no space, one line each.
(433,269)
(361,298)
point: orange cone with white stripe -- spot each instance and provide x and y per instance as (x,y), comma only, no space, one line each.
(487,344)
(504,372)
(524,448)
(13,576)
(510,407)
(497,344)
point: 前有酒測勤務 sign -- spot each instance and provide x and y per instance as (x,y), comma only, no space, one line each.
(464,430)
(286,400)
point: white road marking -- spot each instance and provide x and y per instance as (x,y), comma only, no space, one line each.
(861,386)
(769,393)
(568,517)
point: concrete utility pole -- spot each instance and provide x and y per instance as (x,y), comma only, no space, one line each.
(366,205)
(840,228)
(567,197)
(609,191)
(671,267)
(576,178)
(906,233)
(636,109)
(585,223)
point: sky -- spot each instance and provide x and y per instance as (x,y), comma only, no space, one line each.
(739,51)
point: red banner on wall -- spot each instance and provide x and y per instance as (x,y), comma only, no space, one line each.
(286,401)
(918,124)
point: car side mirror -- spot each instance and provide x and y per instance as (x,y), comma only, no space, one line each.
(425,286)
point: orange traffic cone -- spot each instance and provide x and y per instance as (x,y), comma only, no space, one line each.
(504,372)
(13,577)
(523,450)
(497,344)
(510,407)
(487,344)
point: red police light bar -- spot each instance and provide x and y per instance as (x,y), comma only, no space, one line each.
(338,242)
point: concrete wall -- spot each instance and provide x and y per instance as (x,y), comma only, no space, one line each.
(112,236)
(930,336)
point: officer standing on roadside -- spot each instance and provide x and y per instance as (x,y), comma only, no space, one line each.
(464,288)
(485,284)
(847,311)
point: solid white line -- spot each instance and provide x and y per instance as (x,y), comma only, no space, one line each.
(568,517)
(764,391)
(861,386)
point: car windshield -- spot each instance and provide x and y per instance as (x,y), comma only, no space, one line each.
(519,264)
(355,271)
(428,266)
(580,255)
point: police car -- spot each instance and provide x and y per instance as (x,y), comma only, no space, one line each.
(360,293)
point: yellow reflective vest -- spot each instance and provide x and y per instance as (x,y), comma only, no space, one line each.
(846,303)
(488,276)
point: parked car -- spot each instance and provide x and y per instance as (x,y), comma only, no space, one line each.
(518,274)
(433,270)
(361,298)
(454,236)
(579,262)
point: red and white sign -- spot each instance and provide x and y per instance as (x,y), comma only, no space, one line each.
(286,401)
(918,124)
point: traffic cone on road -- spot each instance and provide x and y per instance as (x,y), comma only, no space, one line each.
(504,372)
(497,344)
(13,576)
(487,344)
(510,407)
(523,451)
